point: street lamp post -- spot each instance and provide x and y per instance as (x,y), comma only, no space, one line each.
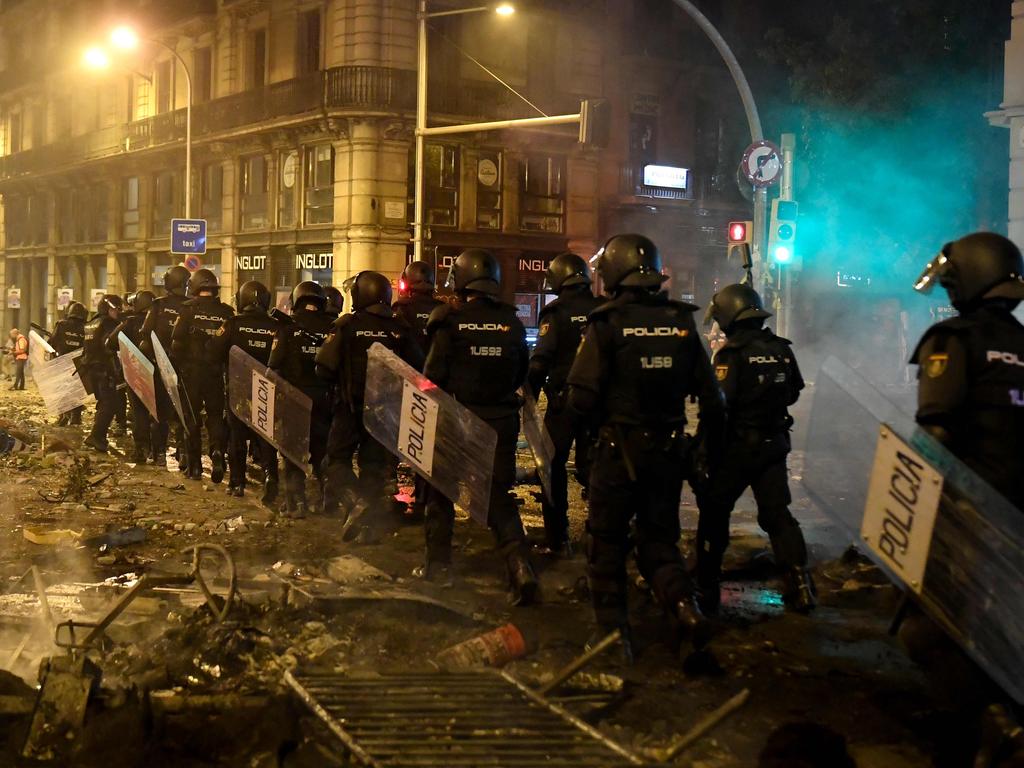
(422,15)
(125,38)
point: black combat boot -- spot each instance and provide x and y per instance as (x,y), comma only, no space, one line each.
(709,588)
(800,595)
(693,623)
(523,584)
(217,466)
(270,486)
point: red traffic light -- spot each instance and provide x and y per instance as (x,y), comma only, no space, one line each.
(737,232)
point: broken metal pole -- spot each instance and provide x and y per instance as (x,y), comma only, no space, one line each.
(580,662)
(706,724)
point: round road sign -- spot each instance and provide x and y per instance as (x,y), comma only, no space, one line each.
(762,163)
(192,263)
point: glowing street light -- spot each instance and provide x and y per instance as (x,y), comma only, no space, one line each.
(124,38)
(505,9)
(96,58)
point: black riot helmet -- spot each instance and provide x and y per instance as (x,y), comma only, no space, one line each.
(417,277)
(370,288)
(735,303)
(629,261)
(565,270)
(175,280)
(142,301)
(77,309)
(108,302)
(475,270)
(980,266)
(335,302)
(253,293)
(203,280)
(308,292)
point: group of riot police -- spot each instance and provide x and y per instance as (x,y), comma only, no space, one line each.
(617,373)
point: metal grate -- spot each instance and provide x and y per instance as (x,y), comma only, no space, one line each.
(464,719)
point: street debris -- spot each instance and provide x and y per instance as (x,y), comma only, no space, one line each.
(491,649)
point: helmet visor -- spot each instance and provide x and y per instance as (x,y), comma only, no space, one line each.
(932,273)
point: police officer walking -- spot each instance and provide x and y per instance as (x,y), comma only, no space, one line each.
(252,330)
(758,373)
(342,361)
(971,399)
(98,362)
(478,354)
(293,355)
(414,304)
(640,359)
(143,430)
(69,336)
(162,316)
(561,327)
(201,318)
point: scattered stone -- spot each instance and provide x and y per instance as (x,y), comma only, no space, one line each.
(348,570)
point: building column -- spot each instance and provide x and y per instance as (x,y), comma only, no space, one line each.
(228,273)
(115,277)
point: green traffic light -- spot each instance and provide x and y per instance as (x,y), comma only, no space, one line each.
(782,254)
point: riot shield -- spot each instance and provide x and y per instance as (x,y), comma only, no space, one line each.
(537,436)
(930,522)
(138,372)
(447,444)
(174,389)
(57,380)
(275,409)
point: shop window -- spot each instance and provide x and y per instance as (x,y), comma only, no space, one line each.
(202,74)
(16,219)
(287,188)
(95,207)
(542,190)
(38,125)
(130,207)
(66,201)
(488,191)
(441,185)
(164,86)
(165,205)
(211,196)
(319,184)
(308,53)
(255,190)
(257,58)
(38,219)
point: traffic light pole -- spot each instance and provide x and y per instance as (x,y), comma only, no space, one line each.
(785,285)
(753,121)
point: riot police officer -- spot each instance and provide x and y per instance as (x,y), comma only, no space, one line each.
(640,359)
(758,373)
(414,304)
(252,330)
(342,361)
(561,327)
(202,316)
(162,316)
(334,302)
(98,362)
(131,325)
(416,298)
(971,399)
(293,355)
(69,336)
(478,354)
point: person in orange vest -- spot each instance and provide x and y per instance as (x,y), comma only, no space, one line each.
(19,351)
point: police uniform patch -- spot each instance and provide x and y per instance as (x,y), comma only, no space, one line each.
(935,365)
(544,328)
(221,331)
(721,372)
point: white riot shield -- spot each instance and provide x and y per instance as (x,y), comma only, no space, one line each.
(928,520)
(138,372)
(423,425)
(278,411)
(537,436)
(57,380)
(172,385)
